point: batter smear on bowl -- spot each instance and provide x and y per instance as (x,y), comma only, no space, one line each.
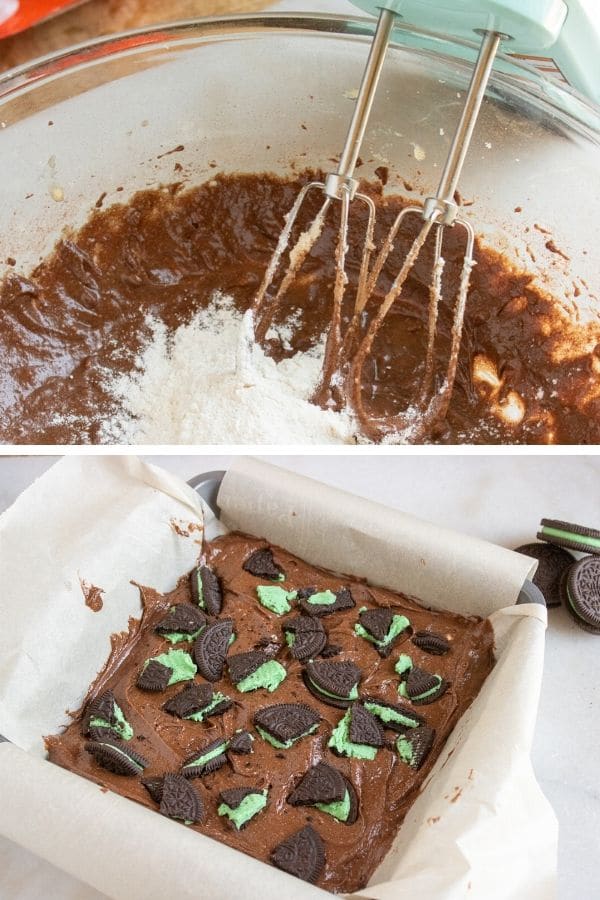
(133,331)
(287,734)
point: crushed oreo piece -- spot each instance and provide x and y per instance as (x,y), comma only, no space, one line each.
(286,721)
(99,733)
(190,700)
(155,677)
(182,618)
(431,642)
(212,596)
(102,707)
(154,786)
(241,742)
(197,765)
(343,600)
(262,565)
(415,744)
(331,650)
(377,622)
(365,728)
(420,683)
(234,796)
(395,712)
(321,784)
(117,757)
(335,683)
(309,636)
(301,854)
(241,665)
(180,800)
(210,649)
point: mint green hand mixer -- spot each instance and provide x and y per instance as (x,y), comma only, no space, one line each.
(567,31)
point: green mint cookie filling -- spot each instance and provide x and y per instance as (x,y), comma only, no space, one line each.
(390,715)
(570,536)
(405,750)
(402,690)
(178,637)
(206,757)
(290,638)
(340,741)
(248,808)
(200,589)
(322,598)
(276,599)
(353,695)
(268,676)
(202,714)
(285,745)
(404,664)
(179,662)
(121,726)
(339,809)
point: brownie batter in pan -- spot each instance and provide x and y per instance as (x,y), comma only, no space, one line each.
(81,314)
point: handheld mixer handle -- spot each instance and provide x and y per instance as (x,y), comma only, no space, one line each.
(566,31)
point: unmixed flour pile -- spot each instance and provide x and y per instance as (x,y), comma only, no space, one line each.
(208,382)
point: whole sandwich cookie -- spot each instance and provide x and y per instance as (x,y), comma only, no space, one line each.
(569,536)
(581,593)
(553,562)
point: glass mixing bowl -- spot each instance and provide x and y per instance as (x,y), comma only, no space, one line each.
(275,93)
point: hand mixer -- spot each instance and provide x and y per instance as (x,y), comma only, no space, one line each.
(552,27)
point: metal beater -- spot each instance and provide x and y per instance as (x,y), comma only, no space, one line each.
(527,26)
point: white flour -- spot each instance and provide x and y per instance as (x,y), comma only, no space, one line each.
(209,383)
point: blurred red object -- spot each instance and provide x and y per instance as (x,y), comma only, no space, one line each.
(18,15)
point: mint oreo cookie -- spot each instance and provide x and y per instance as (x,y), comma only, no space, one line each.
(282,724)
(169,668)
(396,716)
(183,622)
(206,590)
(197,702)
(414,746)
(253,670)
(179,800)
(241,804)
(262,565)
(210,649)
(305,636)
(381,627)
(325,788)
(581,591)
(104,718)
(432,642)
(553,561)
(324,603)
(358,734)
(117,757)
(301,854)
(570,536)
(335,683)
(206,760)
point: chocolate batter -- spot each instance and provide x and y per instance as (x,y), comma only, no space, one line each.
(386,787)
(81,313)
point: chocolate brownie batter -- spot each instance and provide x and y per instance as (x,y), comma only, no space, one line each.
(81,313)
(385,786)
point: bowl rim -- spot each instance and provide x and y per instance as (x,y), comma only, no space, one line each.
(558,98)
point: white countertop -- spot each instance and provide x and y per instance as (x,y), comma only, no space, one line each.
(500,498)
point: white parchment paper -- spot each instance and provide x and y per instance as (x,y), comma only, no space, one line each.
(481,827)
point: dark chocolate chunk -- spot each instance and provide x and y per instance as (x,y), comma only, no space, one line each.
(211,592)
(241,742)
(183,618)
(365,728)
(431,642)
(343,600)
(553,562)
(190,700)
(210,649)
(419,682)
(102,707)
(402,709)
(333,682)
(301,854)
(286,721)
(416,744)
(310,637)
(117,757)
(377,622)
(240,665)
(155,677)
(205,768)
(180,800)
(154,786)
(582,593)
(262,565)
(321,784)
(234,796)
